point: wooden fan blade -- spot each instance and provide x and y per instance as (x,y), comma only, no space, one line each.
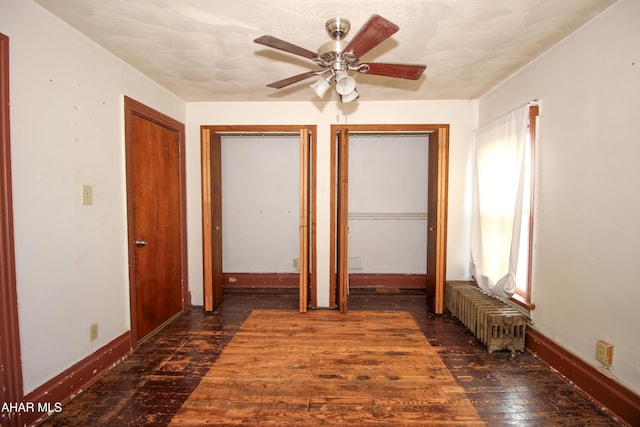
(291,80)
(400,71)
(276,43)
(375,31)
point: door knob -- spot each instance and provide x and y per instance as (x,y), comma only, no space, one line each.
(141,242)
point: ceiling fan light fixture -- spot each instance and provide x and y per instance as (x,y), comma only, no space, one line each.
(345,84)
(341,56)
(320,87)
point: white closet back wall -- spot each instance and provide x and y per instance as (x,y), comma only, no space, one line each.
(260,203)
(388,203)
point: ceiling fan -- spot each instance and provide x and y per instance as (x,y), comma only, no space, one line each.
(339,57)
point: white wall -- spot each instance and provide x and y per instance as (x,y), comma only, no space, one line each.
(260,203)
(388,203)
(67,131)
(461,115)
(586,254)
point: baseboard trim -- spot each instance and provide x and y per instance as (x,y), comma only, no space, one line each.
(292,280)
(62,388)
(397,281)
(616,399)
(260,280)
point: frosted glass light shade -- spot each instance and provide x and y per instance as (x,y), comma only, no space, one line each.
(320,87)
(349,97)
(345,84)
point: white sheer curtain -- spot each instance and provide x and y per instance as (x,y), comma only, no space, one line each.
(497,201)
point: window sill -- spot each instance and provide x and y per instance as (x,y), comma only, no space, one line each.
(516,298)
(519,299)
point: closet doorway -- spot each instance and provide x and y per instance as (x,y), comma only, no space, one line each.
(435,200)
(250,208)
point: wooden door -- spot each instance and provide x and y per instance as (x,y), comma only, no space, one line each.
(437,218)
(432,216)
(211,152)
(156,220)
(343,218)
(442,226)
(305,146)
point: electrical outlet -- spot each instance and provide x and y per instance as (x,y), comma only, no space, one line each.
(604,352)
(87,195)
(295,263)
(93,332)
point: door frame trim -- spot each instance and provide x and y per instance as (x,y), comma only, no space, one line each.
(303,260)
(437,203)
(213,132)
(10,357)
(136,108)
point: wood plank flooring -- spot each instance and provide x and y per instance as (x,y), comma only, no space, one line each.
(150,386)
(325,367)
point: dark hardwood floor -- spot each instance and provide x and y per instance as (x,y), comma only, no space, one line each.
(148,387)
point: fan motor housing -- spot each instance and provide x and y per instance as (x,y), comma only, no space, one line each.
(331,54)
(332,47)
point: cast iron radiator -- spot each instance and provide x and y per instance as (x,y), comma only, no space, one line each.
(491,320)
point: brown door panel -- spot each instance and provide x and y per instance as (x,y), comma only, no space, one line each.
(156,216)
(156,222)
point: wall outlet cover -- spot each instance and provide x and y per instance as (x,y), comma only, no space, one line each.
(604,352)
(93,332)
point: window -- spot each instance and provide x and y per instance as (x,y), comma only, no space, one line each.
(502,204)
(523,276)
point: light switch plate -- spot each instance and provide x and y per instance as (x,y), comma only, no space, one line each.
(87,195)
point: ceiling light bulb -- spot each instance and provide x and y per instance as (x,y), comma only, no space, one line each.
(345,84)
(320,87)
(350,97)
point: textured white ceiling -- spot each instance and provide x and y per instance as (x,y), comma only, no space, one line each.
(203,50)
